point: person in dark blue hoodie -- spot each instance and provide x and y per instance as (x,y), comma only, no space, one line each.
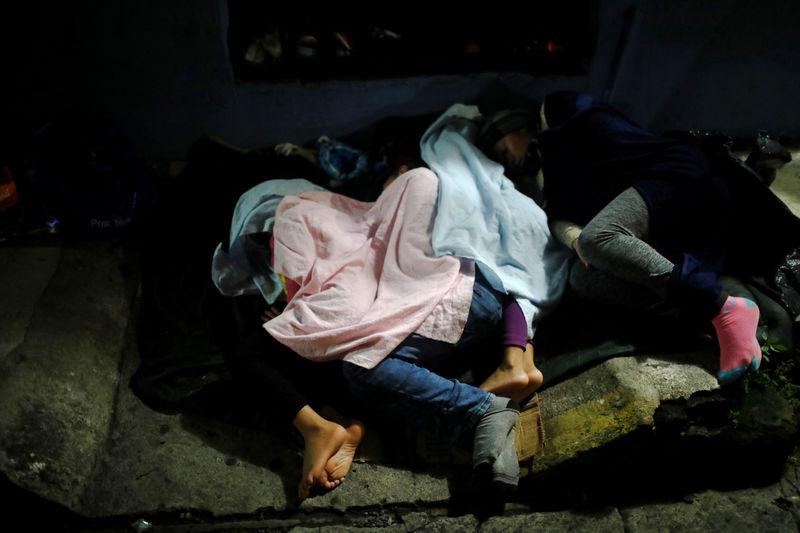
(645,214)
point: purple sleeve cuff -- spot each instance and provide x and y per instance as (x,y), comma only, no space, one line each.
(515,329)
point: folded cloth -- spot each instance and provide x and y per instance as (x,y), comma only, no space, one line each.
(482,216)
(368,276)
(238,270)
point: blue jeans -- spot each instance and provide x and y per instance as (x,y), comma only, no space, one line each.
(410,382)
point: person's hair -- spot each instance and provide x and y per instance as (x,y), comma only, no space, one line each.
(504,122)
(411,162)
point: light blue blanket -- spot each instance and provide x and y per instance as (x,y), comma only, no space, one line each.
(237,272)
(482,216)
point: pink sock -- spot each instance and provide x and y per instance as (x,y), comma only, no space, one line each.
(736,327)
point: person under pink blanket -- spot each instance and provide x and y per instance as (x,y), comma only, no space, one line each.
(370,292)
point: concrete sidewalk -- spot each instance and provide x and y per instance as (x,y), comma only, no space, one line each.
(635,443)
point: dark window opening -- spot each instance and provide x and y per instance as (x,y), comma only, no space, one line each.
(276,44)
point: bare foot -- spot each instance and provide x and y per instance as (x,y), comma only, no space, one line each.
(517,376)
(505,381)
(338,465)
(321,443)
(329,449)
(535,377)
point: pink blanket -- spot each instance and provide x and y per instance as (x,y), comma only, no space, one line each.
(367,273)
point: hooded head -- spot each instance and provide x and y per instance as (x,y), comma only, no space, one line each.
(509,137)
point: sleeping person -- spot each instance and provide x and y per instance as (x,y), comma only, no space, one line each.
(646,215)
(367,287)
(373,291)
(369,291)
(289,391)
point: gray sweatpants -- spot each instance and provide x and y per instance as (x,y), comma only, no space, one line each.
(625,270)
